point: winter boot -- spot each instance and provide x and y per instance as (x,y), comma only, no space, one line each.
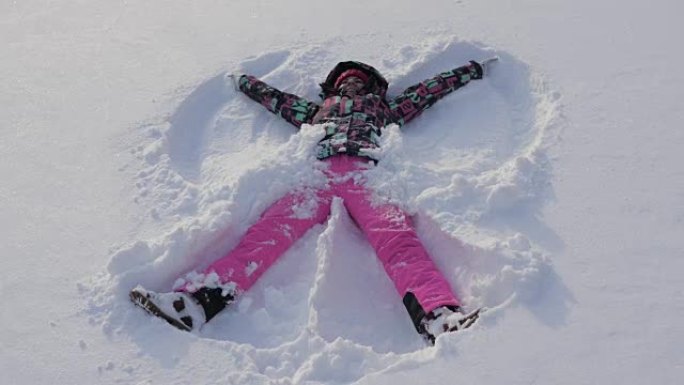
(177,308)
(446,319)
(186,311)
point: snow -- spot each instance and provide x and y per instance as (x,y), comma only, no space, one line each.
(549,192)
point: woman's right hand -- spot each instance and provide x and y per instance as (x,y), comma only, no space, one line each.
(487,65)
(234,78)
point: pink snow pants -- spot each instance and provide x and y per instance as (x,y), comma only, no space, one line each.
(389,230)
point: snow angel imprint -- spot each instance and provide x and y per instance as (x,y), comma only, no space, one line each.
(353,113)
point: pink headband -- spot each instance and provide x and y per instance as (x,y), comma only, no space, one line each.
(352,72)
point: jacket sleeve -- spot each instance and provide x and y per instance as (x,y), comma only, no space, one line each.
(294,109)
(415,99)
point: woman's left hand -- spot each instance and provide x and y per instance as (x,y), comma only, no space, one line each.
(487,65)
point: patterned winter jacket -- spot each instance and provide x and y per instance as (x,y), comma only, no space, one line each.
(354,124)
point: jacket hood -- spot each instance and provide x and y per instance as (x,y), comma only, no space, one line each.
(376,82)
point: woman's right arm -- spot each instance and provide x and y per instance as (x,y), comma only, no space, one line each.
(294,109)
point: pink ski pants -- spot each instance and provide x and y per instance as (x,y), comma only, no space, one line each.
(389,230)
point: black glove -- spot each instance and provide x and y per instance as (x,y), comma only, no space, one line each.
(477,71)
(482,69)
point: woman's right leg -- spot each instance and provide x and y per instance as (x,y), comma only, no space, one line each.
(278,228)
(203,296)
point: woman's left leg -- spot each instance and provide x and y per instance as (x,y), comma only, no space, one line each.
(393,237)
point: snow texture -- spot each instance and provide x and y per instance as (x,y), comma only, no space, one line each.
(548,192)
(452,169)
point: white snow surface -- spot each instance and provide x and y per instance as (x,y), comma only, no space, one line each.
(551,192)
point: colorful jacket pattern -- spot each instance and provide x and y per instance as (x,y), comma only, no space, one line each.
(354,124)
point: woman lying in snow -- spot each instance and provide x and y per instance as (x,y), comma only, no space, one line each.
(353,112)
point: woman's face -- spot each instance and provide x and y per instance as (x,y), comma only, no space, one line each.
(351,86)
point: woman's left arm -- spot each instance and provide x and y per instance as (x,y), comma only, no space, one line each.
(417,98)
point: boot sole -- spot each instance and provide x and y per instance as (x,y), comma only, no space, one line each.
(468,320)
(143,302)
